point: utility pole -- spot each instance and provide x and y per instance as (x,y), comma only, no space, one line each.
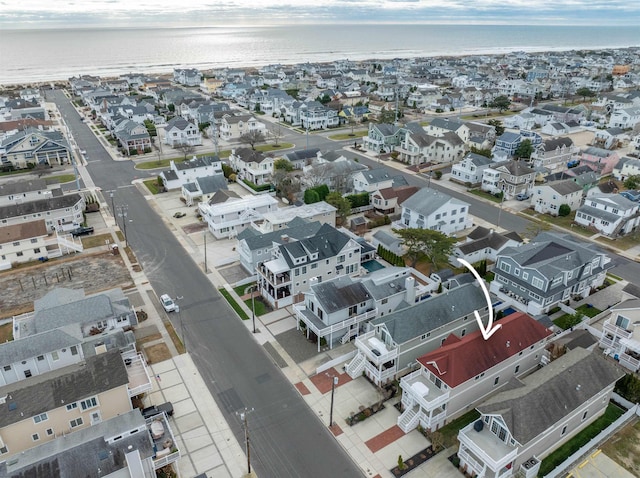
(205,251)
(123,215)
(243,417)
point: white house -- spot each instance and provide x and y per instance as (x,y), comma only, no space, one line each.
(431,209)
(547,198)
(187,76)
(626,167)
(483,244)
(295,265)
(470,169)
(60,213)
(372,180)
(611,214)
(179,132)
(510,177)
(465,370)
(233,127)
(620,337)
(185,172)
(522,425)
(625,118)
(226,216)
(252,165)
(278,219)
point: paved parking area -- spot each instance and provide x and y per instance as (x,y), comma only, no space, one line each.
(599,465)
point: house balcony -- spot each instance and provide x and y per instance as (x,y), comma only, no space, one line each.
(138,375)
(380,375)
(165,447)
(275,278)
(611,328)
(486,449)
(418,389)
(376,351)
(318,327)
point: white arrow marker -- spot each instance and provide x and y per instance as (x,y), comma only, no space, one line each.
(490,329)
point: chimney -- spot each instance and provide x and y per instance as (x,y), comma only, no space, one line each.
(410,292)
(284,238)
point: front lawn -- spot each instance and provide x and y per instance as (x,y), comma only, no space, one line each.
(343,136)
(484,194)
(623,243)
(152,185)
(266,148)
(61,178)
(234,305)
(611,414)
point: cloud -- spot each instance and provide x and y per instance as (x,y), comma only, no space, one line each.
(17,13)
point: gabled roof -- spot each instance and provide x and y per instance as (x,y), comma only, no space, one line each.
(430,314)
(461,359)
(339,294)
(492,240)
(22,231)
(39,206)
(553,143)
(249,155)
(551,253)
(565,187)
(515,168)
(178,122)
(81,453)
(426,201)
(42,393)
(376,175)
(328,242)
(302,154)
(548,396)
(210,184)
(34,345)
(299,230)
(478,159)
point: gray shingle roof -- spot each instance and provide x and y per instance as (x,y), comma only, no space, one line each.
(565,187)
(34,345)
(42,393)
(552,393)
(599,213)
(340,293)
(81,453)
(430,314)
(551,253)
(211,184)
(327,243)
(39,206)
(427,201)
(377,175)
(298,232)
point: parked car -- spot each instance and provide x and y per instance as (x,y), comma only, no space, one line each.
(168,304)
(154,410)
(179,214)
(82,231)
(522,196)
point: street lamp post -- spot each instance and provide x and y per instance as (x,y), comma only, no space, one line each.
(113,209)
(123,215)
(333,389)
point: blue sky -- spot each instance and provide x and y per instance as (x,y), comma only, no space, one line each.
(59,13)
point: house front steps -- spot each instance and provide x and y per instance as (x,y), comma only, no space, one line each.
(356,366)
(409,419)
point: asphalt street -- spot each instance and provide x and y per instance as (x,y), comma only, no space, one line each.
(287,439)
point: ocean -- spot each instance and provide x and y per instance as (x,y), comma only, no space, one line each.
(56,54)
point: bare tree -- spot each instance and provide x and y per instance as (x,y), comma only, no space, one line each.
(317,174)
(252,138)
(186,149)
(276,134)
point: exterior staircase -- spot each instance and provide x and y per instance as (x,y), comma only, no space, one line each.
(348,336)
(409,419)
(356,366)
